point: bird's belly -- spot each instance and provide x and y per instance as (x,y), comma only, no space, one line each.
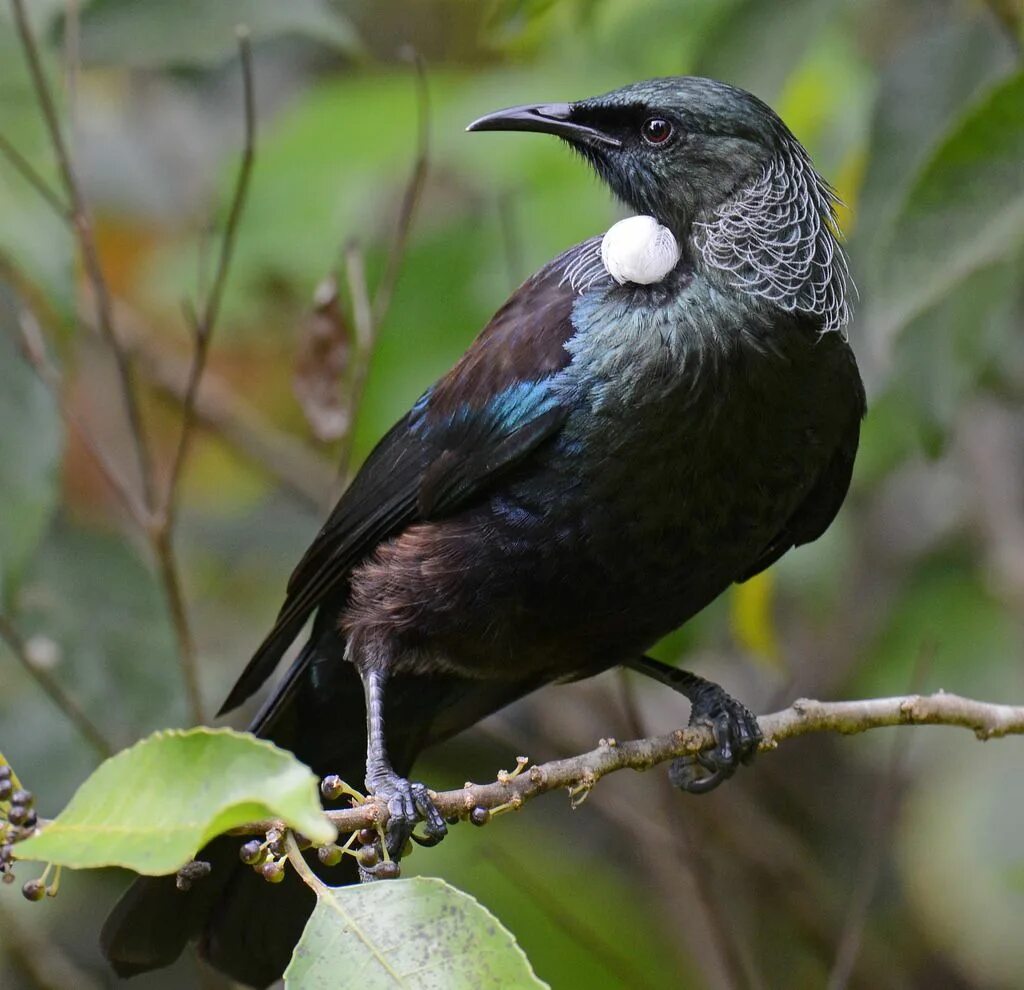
(584,563)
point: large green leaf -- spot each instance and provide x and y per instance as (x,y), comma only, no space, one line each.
(150,807)
(418,934)
(30,449)
(149,33)
(964,210)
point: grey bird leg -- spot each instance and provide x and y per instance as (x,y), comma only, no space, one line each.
(408,801)
(737,734)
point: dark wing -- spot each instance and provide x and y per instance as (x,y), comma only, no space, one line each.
(820,505)
(485,416)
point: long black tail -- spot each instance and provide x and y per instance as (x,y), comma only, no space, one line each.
(244,926)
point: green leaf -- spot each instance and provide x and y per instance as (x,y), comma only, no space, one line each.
(151,807)
(964,210)
(154,33)
(419,933)
(30,450)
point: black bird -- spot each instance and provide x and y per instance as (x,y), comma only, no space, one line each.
(634,430)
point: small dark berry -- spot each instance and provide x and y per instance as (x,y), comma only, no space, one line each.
(23,797)
(5,772)
(276,847)
(251,852)
(6,789)
(479,816)
(366,837)
(183,883)
(272,872)
(34,890)
(388,870)
(331,787)
(6,852)
(329,855)
(32,820)
(452,820)
(367,857)
(17,814)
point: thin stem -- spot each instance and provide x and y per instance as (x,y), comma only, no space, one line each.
(202,327)
(74,713)
(33,347)
(211,307)
(35,179)
(410,198)
(85,236)
(301,867)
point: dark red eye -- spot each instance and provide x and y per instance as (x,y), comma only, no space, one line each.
(656,130)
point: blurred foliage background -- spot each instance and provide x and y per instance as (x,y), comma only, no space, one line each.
(890,860)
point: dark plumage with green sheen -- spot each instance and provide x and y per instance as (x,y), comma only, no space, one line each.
(603,462)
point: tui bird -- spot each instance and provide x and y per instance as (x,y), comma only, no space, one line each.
(652,416)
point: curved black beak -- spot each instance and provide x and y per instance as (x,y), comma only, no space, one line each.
(545,118)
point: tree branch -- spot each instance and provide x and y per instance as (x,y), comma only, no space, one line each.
(579,774)
(81,228)
(55,690)
(202,326)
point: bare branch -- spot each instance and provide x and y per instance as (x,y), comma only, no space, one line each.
(410,198)
(33,346)
(55,690)
(368,314)
(211,307)
(579,774)
(202,326)
(81,227)
(31,175)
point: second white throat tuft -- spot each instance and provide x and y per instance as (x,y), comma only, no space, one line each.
(640,250)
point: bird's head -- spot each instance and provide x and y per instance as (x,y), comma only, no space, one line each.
(717,167)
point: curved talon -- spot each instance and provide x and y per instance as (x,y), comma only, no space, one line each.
(408,804)
(737,737)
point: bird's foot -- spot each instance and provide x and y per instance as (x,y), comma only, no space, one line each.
(408,804)
(737,737)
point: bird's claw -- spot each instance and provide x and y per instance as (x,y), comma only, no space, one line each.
(408,803)
(737,738)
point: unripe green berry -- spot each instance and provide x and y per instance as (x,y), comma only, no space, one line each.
(331,787)
(329,855)
(272,871)
(251,853)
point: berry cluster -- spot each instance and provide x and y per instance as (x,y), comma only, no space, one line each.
(268,857)
(18,821)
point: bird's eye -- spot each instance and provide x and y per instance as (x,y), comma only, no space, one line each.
(656,130)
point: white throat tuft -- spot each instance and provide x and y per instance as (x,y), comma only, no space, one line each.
(639,249)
